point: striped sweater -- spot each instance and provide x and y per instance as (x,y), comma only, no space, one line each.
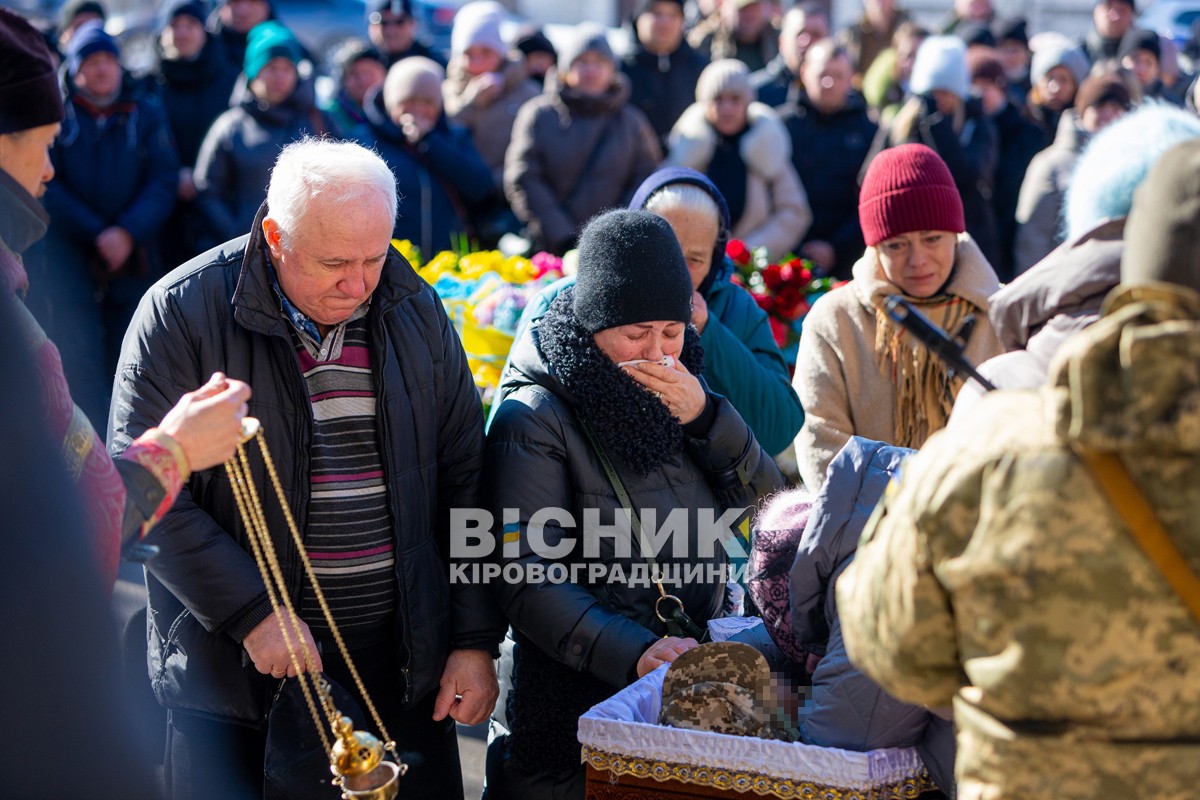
(349,534)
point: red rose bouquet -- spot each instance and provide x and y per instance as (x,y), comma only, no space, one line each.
(785,290)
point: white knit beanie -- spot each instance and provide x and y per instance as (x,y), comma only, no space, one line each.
(725,75)
(479,23)
(941,64)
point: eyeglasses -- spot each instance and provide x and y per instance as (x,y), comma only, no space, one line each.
(379,19)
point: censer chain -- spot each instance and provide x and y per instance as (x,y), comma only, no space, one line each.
(250,507)
(272,577)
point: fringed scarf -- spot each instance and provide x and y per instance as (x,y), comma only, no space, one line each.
(925,390)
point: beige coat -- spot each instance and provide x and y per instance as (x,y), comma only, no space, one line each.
(777,213)
(490,122)
(839,381)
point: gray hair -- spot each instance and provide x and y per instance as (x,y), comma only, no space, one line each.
(684,197)
(335,170)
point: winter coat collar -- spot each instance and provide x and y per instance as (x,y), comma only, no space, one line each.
(765,147)
(23,221)
(571,103)
(973,278)
(1130,381)
(643,57)
(125,102)
(302,101)
(345,105)
(777,70)
(799,102)
(1072,280)
(382,123)
(634,427)
(256,307)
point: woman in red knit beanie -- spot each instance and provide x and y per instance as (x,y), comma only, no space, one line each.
(857,372)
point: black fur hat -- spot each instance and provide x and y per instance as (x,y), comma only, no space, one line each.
(631,270)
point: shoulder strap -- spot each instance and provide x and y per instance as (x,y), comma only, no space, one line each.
(668,607)
(1130,504)
(608,127)
(618,486)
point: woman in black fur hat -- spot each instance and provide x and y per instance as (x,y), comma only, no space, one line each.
(682,455)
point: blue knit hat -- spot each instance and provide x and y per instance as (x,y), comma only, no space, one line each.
(89,39)
(269,40)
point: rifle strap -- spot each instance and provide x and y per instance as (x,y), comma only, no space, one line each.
(1113,477)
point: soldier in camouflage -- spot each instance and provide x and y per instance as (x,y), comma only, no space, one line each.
(997,574)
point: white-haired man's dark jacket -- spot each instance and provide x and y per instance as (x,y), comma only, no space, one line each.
(219,312)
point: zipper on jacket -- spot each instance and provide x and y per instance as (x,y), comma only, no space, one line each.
(389,470)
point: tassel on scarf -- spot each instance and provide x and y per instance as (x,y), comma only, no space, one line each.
(925,390)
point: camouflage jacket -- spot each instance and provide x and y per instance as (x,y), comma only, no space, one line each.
(996,574)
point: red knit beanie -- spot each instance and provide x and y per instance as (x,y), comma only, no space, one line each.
(908,188)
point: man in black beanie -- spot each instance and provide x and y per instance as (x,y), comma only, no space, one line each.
(1012,44)
(662,67)
(539,53)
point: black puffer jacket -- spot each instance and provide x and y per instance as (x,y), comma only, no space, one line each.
(194,93)
(579,642)
(219,312)
(662,87)
(828,152)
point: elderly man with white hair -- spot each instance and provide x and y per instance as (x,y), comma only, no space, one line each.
(370,411)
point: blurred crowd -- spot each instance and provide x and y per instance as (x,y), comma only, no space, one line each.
(508,133)
(1033,198)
